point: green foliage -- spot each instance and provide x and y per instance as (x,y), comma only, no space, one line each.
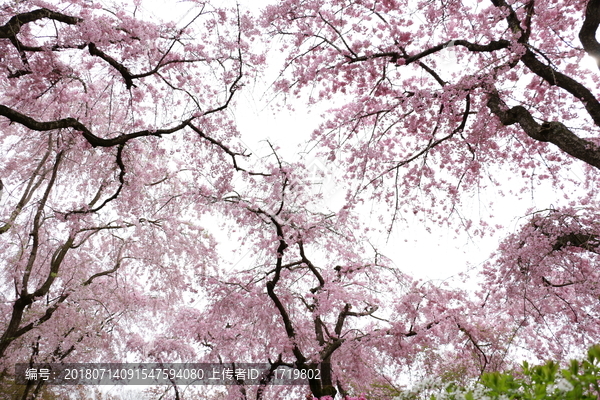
(580,381)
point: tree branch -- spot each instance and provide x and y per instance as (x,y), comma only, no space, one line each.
(13,26)
(587,34)
(553,132)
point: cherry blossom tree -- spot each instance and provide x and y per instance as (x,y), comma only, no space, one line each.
(545,278)
(441,95)
(117,138)
(107,120)
(437,101)
(319,298)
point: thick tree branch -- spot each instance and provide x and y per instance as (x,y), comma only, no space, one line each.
(310,266)
(11,29)
(287,321)
(13,330)
(13,26)
(127,77)
(587,34)
(73,123)
(47,315)
(341,319)
(557,78)
(120,140)
(394,56)
(586,241)
(553,132)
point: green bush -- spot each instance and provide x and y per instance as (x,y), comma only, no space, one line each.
(580,381)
